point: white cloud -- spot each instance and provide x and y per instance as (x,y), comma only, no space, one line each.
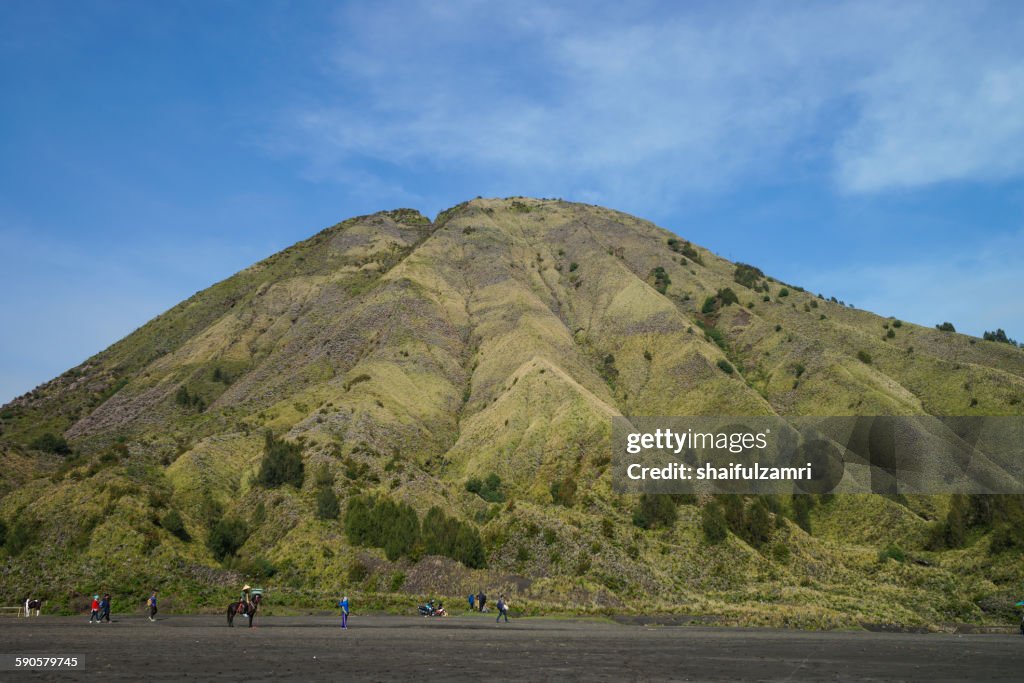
(636,107)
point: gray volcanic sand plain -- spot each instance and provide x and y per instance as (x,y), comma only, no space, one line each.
(381,647)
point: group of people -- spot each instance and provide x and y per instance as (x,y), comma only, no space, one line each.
(478,603)
(100,609)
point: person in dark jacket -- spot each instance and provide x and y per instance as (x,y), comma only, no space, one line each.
(105,608)
(151,603)
(481,600)
(502,609)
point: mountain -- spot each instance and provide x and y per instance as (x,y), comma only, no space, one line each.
(297,422)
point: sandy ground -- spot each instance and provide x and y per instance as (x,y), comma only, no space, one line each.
(472,647)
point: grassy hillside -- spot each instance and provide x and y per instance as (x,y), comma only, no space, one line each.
(472,363)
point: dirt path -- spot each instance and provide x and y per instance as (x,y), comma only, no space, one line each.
(391,647)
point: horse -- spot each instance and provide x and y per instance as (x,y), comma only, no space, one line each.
(237,606)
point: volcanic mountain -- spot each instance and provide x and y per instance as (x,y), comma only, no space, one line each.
(299,422)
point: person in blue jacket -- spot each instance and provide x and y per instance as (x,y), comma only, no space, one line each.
(344,611)
(472,600)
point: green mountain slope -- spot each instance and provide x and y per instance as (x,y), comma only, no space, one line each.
(405,358)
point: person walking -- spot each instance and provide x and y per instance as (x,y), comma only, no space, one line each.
(344,612)
(472,600)
(151,603)
(94,615)
(105,608)
(502,609)
(481,600)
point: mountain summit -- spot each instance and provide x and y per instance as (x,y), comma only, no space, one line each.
(274,423)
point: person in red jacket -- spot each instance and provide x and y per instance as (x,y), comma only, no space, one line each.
(95,610)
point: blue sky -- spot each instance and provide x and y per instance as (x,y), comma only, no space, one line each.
(871,151)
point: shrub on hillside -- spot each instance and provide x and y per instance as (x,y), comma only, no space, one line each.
(661,279)
(563,492)
(382,523)
(802,506)
(358,572)
(20,536)
(748,276)
(713,524)
(450,537)
(327,504)
(184,398)
(227,536)
(732,509)
(608,369)
(51,443)
(725,366)
(758,526)
(945,327)
(488,488)
(259,567)
(864,357)
(282,463)
(892,552)
(173,523)
(998,336)
(686,249)
(654,511)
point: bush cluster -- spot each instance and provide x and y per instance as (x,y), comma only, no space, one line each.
(488,488)
(282,463)
(730,513)
(563,492)
(661,279)
(686,249)
(188,400)
(327,507)
(654,511)
(173,523)
(51,443)
(443,535)
(722,298)
(227,536)
(998,336)
(395,527)
(749,276)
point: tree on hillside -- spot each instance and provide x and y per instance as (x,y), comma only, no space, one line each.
(655,510)
(282,463)
(227,536)
(713,524)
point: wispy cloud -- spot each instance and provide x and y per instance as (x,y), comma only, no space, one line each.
(639,106)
